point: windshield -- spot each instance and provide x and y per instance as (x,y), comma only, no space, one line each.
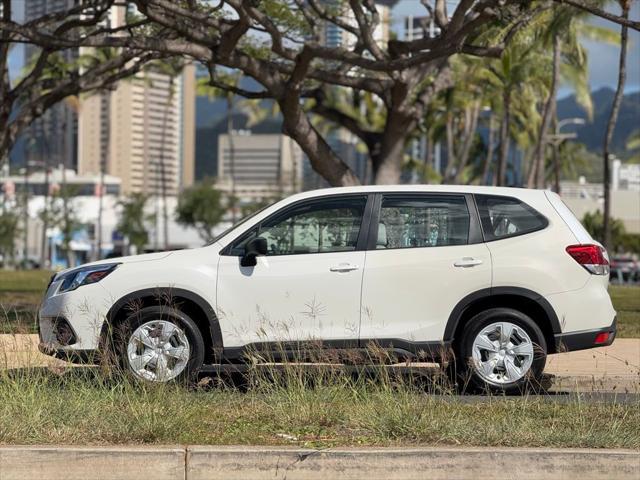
(242,221)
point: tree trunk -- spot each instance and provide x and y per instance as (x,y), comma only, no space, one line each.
(537,172)
(471,124)
(499,179)
(323,159)
(489,158)
(428,156)
(611,125)
(555,153)
(388,158)
(451,150)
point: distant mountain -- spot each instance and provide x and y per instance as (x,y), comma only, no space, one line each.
(592,133)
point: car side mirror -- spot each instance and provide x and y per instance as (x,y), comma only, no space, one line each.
(255,247)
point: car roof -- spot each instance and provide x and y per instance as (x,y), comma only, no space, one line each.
(506,191)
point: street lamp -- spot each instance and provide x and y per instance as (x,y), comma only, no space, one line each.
(556,139)
(570,121)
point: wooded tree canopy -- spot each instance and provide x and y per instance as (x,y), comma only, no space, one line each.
(285,46)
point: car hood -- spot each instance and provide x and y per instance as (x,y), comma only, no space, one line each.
(146,257)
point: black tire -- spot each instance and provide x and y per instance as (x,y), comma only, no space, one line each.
(166,314)
(463,370)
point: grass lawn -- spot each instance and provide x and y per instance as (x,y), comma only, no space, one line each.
(626,301)
(82,407)
(20,295)
(21,292)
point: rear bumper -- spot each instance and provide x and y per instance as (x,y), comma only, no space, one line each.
(582,340)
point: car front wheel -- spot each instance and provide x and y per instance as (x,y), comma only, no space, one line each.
(501,350)
(162,344)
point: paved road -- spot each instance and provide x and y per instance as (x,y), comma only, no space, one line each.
(614,369)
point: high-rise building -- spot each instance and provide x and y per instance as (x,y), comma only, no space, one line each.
(335,36)
(262,166)
(420,27)
(143,131)
(51,139)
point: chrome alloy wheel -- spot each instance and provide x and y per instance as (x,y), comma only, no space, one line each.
(158,351)
(502,353)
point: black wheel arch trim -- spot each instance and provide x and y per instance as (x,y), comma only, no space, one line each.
(459,310)
(167,293)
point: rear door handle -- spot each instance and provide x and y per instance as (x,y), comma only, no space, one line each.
(467,262)
(343,267)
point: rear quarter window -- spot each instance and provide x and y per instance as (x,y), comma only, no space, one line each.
(504,217)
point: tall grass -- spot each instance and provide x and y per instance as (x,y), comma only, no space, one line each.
(86,406)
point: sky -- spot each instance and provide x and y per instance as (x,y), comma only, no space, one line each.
(603,58)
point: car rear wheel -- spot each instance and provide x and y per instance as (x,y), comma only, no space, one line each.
(501,350)
(160,345)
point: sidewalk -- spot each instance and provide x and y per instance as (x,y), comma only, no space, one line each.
(613,368)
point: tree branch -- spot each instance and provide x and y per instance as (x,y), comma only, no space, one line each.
(635,25)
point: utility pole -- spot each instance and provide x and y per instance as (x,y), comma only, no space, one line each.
(25,198)
(556,140)
(46,151)
(103,166)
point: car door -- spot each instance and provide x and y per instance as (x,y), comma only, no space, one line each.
(308,284)
(425,254)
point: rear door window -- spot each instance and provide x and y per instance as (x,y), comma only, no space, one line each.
(504,217)
(416,221)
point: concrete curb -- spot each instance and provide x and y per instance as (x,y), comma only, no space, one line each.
(257,463)
(81,463)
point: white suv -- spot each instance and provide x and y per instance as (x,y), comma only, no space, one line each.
(499,276)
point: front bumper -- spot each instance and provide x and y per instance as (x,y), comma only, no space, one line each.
(83,357)
(582,340)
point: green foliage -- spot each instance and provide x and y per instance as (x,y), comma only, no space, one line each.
(576,161)
(248,209)
(620,239)
(633,145)
(61,213)
(9,231)
(132,220)
(202,208)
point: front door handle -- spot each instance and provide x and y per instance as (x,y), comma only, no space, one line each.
(343,267)
(467,262)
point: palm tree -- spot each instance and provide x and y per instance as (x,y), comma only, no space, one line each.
(560,31)
(611,125)
(515,82)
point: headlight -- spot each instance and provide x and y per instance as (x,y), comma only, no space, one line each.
(85,276)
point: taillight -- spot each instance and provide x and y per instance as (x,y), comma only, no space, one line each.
(591,257)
